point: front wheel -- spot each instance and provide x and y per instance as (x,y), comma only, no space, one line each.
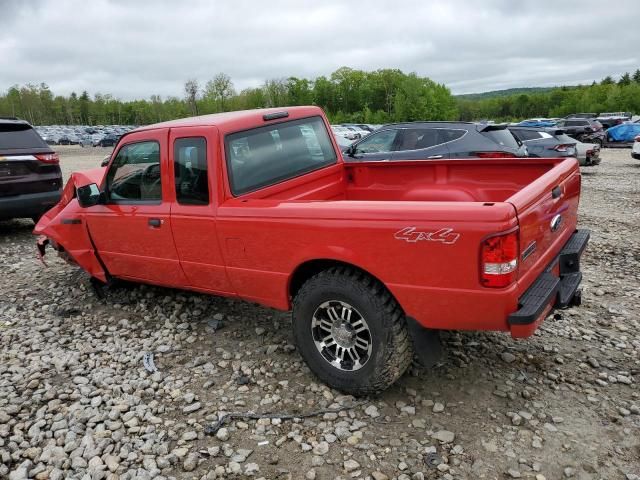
(351,331)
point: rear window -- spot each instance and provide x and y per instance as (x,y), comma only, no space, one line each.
(565,138)
(502,137)
(525,135)
(19,137)
(268,155)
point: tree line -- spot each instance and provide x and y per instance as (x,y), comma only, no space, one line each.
(347,95)
(604,96)
(380,96)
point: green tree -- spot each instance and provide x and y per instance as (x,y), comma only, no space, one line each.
(625,79)
(84,108)
(220,90)
(191,88)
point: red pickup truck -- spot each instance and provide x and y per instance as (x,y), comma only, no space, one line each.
(372,257)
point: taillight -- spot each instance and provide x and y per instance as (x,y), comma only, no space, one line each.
(51,158)
(499,260)
(493,155)
(562,147)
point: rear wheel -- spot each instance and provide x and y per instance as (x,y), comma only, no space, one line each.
(351,331)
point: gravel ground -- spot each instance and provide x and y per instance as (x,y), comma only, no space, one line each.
(76,401)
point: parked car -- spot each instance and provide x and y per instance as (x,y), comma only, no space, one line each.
(30,176)
(360,133)
(611,121)
(586,130)
(365,255)
(361,126)
(588,154)
(107,141)
(582,115)
(85,141)
(625,115)
(344,132)
(537,123)
(545,142)
(635,150)
(342,142)
(435,140)
(623,134)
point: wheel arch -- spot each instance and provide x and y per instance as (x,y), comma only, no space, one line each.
(309,268)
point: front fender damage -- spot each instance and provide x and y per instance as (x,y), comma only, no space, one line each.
(64,228)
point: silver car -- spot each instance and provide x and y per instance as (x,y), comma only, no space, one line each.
(588,153)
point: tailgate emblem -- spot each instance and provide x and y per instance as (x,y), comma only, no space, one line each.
(555,223)
(444,235)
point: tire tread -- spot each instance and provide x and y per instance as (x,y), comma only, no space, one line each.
(399,354)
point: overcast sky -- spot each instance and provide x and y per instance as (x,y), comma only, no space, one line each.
(133,49)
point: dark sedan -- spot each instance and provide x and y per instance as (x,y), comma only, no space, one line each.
(108,141)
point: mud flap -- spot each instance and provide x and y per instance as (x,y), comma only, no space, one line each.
(426,343)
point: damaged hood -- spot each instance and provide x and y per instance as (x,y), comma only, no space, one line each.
(65,228)
(77,179)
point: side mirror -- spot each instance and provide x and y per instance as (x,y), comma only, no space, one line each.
(351,150)
(105,161)
(88,196)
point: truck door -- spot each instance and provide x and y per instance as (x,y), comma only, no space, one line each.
(193,199)
(131,229)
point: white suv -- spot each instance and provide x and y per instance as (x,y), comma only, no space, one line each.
(635,151)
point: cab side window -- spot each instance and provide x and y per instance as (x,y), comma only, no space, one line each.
(134,175)
(190,170)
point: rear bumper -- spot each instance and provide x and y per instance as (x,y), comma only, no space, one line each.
(28,205)
(635,155)
(557,287)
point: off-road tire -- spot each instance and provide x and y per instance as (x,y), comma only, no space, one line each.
(392,350)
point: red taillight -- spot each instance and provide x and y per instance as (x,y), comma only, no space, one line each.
(562,147)
(493,155)
(51,158)
(499,260)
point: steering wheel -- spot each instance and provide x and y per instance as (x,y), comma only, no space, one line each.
(150,177)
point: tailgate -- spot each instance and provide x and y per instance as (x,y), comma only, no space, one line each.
(547,215)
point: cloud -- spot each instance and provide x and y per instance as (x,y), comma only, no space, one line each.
(136,49)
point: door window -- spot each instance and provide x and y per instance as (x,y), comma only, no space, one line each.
(190,171)
(378,143)
(134,175)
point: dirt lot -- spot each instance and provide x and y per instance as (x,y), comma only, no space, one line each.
(76,401)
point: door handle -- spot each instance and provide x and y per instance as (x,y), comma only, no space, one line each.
(155,222)
(435,156)
(556,192)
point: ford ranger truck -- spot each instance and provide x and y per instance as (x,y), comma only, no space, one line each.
(372,258)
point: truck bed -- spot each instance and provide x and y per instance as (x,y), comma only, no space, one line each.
(469,180)
(358,211)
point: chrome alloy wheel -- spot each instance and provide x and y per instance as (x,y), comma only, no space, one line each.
(341,335)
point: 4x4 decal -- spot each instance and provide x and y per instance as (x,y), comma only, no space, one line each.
(444,235)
